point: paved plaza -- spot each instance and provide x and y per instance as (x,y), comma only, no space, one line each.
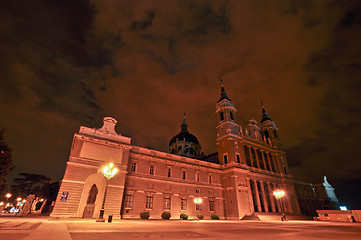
(39,228)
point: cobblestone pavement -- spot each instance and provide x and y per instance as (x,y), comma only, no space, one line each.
(80,229)
(17,229)
(223,230)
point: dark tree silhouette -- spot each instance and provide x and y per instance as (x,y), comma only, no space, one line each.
(5,162)
(30,183)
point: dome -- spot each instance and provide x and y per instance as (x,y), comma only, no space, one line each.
(184,136)
(185,143)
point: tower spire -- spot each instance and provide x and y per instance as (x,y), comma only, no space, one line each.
(184,125)
(223,93)
(265,116)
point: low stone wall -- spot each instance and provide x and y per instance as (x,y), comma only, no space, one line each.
(339,215)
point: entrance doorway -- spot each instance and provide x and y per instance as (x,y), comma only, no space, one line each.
(89,208)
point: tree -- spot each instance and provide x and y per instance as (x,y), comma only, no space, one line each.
(5,162)
(29,183)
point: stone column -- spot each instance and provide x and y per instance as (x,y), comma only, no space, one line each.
(271,196)
(273,160)
(250,197)
(255,152)
(258,201)
(265,204)
(278,163)
(175,206)
(287,200)
(269,162)
(275,187)
(250,155)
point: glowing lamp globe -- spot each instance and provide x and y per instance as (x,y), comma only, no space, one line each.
(279,194)
(109,171)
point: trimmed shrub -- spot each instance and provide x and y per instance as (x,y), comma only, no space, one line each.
(144,215)
(184,216)
(214,216)
(166,215)
(200,216)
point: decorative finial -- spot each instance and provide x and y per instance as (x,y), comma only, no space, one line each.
(221,82)
(184,115)
(262,104)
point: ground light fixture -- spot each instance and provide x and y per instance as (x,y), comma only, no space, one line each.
(108,171)
(279,194)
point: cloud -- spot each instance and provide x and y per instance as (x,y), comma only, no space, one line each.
(67,64)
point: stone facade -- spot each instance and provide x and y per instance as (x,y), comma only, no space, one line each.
(239,180)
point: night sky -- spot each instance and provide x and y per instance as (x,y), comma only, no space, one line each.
(66,64)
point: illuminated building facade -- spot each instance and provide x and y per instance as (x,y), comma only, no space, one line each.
(238,180)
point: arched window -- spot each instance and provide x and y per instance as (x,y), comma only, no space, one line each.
(231,115)
(221,116)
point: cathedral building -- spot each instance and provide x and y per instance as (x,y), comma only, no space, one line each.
(236,181)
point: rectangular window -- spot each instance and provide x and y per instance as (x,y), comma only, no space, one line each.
(197,190)
(169,172)
(225,158)
(133,167)
(210,179)
(183,204)
(211,205)
(149,202)
(238,158)
(151,170)
(198,207)
(284,170)
(183,174)
(197,176)
(167,203)
(128,200)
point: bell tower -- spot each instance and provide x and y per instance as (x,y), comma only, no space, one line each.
(228,131)
(269,130)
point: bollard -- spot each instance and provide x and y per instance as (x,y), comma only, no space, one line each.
(110,218)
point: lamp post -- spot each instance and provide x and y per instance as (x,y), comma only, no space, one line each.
(8,195)
(198,201)
(279,194)
(108,171)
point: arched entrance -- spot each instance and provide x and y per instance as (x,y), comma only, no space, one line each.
(90,204)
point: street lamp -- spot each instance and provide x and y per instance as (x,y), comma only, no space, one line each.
(8,195)
(108,172)
(198,201)
(279,194)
